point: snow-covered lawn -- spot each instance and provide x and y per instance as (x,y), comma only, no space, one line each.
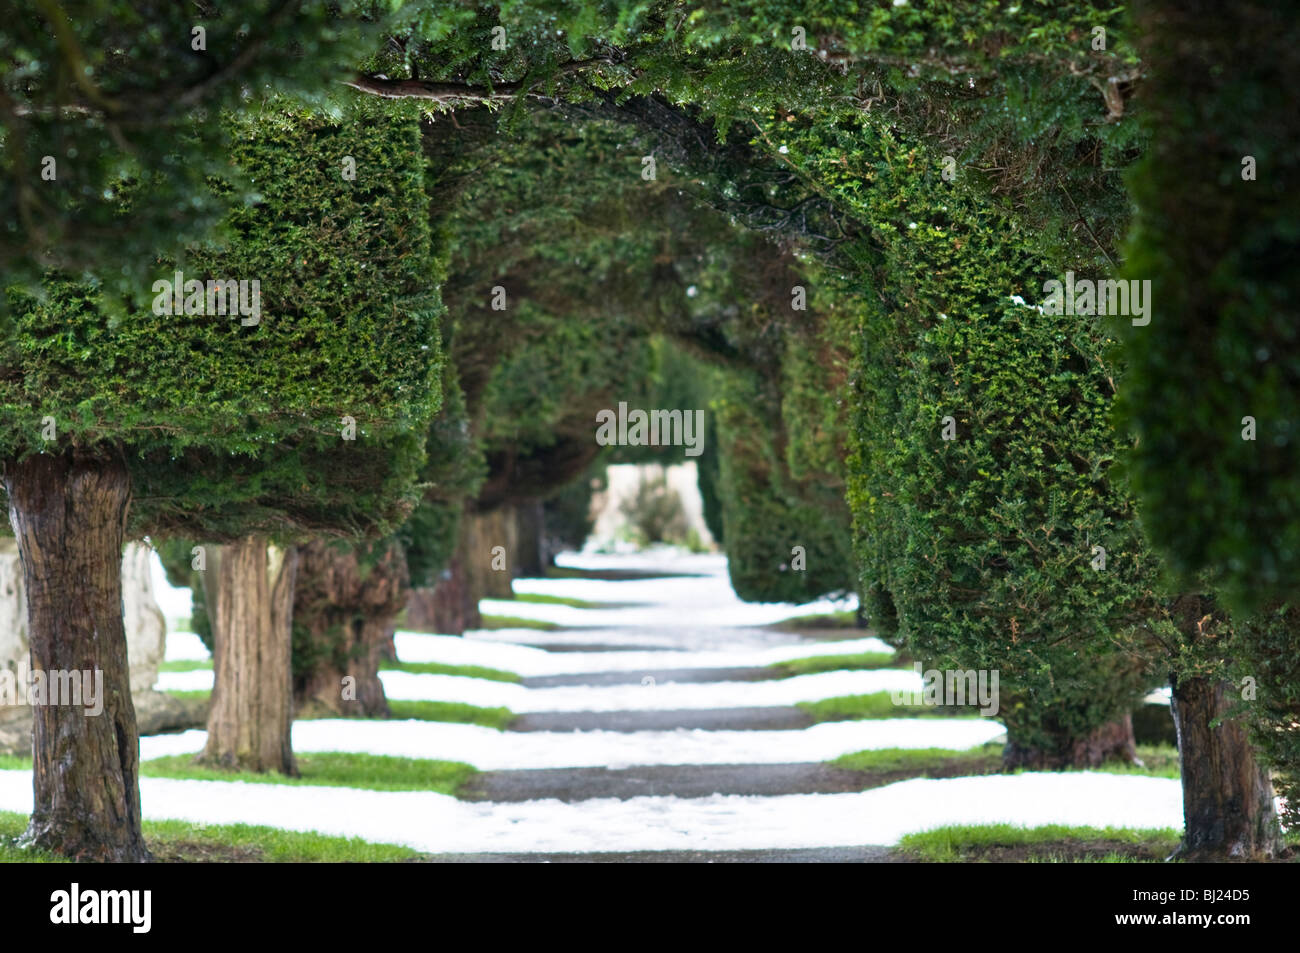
(652,696)
(649,696)
(500,650)
(489,749)
(692,622)
(438,823)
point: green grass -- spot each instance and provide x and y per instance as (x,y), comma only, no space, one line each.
(438,668)
(421,711)
(181,840)
(203,694)
(963,843)
(877,705)
(514,622)
(1159,761)
(557,600)
(923,761)
(332,769)
(848,619)
(834,663)
(328,769)
(193,666)
(452,711)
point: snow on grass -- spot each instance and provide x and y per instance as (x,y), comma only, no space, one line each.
(185,647)
(196,681)
(488,749)
(654,696)
(439,823)
(176,603)
(660,696)
(528,660)
(705,599)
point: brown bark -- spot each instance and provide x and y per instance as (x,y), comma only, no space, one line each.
(480,535)
(344,617)
(446,607)
(251,715)
(457,92)
(530,539)
(1228,810)
(69,516)
(1110,742)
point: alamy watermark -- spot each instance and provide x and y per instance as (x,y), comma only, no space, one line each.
(1105,297)
(655,428)
(57,687)
(952,688)
(132,908)
(216,296)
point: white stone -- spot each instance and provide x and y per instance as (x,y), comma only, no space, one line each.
(146,630)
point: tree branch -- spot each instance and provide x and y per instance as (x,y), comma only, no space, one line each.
(460,92)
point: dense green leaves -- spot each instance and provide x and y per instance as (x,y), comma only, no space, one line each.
(235,426)
(109,119)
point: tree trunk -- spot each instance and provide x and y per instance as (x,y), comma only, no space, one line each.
(444,608)
(251,715)
(1228,810)
(530,535)
(1110,742)
(344,619)
(487,552)
(69,516)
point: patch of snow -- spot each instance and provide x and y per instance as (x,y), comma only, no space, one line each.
(489,749)
(438,823)
(196,681)
(661,696)
(175,602)
(184,647)
(527,660)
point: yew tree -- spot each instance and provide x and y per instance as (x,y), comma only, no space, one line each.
(308,421)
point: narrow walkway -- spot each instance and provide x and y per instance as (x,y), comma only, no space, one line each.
(656,733)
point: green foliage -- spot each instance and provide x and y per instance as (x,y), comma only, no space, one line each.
(1222,343)
(1219,251)
(567,513)
(453,471)
(655,513)
(233,429)
(983,543)
(1269,647)
(767,512)
(116,94)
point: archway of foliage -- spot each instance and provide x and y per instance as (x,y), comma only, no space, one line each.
(922,170)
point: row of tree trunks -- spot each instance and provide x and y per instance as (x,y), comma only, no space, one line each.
(251,610)
(487,550)
(1113,741)
(493,548)
(346,613)
(68,513)
(446,607)
(531,558)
